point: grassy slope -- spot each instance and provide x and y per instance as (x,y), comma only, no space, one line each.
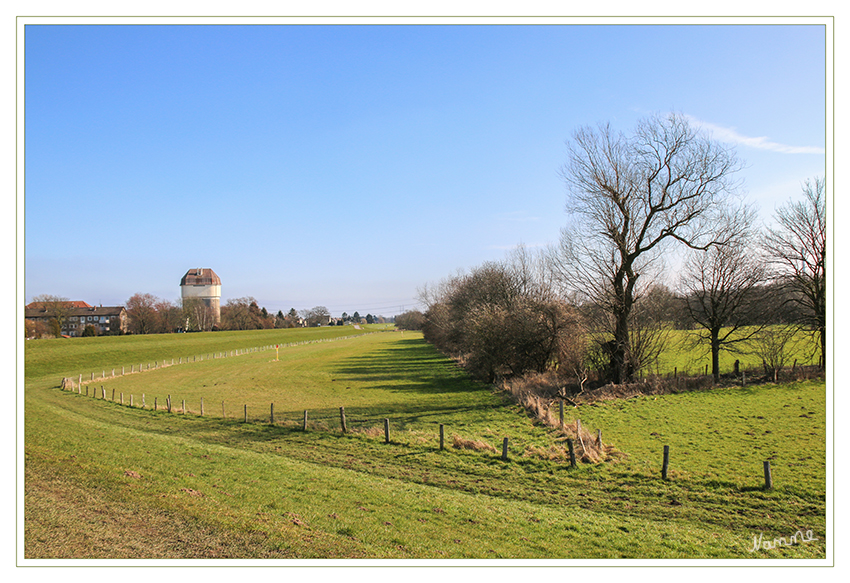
(212,487)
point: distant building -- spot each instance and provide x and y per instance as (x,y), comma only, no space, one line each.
(202,284)
(75,316)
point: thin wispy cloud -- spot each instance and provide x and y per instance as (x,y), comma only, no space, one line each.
(762,143)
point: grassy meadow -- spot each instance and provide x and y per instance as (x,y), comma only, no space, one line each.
(687,357)
(110,481)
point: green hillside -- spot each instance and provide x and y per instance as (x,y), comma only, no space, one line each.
(110,481)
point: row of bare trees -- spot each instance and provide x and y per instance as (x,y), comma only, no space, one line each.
(637,203)
(148,314)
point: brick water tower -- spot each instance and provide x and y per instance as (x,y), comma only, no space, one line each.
(204,285)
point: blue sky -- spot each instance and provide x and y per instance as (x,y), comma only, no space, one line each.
(346,166)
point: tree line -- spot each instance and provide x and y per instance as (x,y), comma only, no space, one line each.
(148,314)
(597,301)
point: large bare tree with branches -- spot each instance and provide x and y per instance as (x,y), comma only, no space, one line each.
(629,198)
(797,249)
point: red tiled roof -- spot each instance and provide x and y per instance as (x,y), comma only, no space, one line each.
(70,304)
(200,276)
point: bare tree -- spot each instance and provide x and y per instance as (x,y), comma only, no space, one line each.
(198,315)
(796,247)
(242,314)
(59,306)
(141,311)
(724,292)
(503,320)
(775,345)
(629,198)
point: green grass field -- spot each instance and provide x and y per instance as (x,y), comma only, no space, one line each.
(690,359)
(111,481)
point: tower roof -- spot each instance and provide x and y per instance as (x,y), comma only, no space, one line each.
(200,276)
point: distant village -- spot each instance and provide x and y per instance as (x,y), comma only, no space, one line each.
(200,309)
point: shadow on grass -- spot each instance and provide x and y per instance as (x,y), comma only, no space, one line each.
(408,365)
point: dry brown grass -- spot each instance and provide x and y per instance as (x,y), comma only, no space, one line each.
(538,394)
(369,431)
(473,444)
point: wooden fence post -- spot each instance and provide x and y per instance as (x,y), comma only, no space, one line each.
(505,449)
(113,394)
(122,398)
(304,426)
(768,477)
(442,437)
(342,419)
(245,409)
(666,462)
(155,403)
(271,414)
(202,406)
(572,452)
(168,403)
(184,405)
(386,430)
(131,400)
(143,401)
(599,437)
(561,411)
(102,392)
